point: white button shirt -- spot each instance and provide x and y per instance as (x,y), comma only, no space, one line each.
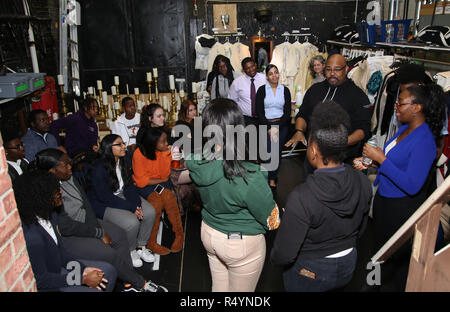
(240,91)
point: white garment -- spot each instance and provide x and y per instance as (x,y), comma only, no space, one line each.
(16,165)
(235,52)
(340,253)
(239,51)
(127,128)
(224,86)
(216,49)
(119,177)
(47,225)
(390,146)
(201,53)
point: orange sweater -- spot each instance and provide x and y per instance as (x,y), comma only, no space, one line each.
(145,169)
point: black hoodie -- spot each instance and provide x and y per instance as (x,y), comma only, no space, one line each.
(323,216)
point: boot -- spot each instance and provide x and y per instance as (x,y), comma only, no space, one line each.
(173,214)
(152,244)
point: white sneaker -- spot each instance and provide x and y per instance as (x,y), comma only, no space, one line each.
(152,287)
(146,254)
(137,262)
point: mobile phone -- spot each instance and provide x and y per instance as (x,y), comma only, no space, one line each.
(159,189)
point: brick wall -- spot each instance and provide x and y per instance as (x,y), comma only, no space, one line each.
(16,274)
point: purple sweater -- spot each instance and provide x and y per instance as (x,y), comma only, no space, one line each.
(81,133)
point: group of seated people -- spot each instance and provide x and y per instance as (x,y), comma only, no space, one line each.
(103,201)
(97,205)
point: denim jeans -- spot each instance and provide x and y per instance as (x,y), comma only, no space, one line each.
(330,273)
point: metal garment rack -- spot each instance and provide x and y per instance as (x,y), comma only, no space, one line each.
(227,36)
(306,33)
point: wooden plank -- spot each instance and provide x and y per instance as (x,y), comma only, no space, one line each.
(423,247)
(437,278)
(441,194)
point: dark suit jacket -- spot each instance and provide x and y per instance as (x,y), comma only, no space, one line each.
(47,258)
(77,218)
(101,195)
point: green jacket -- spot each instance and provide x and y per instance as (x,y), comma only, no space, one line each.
(233,205)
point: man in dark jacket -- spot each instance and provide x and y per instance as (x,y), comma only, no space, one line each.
(344,92)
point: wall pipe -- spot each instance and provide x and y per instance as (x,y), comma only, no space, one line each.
(34,60)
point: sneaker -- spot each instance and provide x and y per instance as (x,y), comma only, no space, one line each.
(152,287)
(145,254)
(137,262)
(129,288)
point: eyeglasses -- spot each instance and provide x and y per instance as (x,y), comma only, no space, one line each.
(119,144)
(398,105)
(336,70)
(17,147)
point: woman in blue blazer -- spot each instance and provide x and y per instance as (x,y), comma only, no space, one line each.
(403,168)
(38,195)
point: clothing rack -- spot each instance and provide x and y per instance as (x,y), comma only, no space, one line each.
(397,56)
(297,34)
(227,36)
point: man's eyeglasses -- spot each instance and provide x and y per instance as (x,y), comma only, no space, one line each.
(17,147)
(119,144)
(336,70)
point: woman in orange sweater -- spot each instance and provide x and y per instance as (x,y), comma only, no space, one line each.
(151,170)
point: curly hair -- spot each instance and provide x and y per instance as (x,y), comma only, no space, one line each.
(35,194)
(432,98)
(330,124)
(311,64)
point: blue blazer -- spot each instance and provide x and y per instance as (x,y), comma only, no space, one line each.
(101,195)
(408,164)
(47,258)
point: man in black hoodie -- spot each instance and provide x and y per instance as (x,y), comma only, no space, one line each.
(324,216)
(344,92)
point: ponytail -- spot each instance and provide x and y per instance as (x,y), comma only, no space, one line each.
(432,98)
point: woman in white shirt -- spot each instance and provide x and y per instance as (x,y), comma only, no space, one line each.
(221,77)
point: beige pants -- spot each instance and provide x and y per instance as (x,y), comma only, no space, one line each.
(235,264)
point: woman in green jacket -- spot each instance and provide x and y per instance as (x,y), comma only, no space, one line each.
(238,203)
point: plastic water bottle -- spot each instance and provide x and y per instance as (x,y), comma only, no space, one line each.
(372,142)
(299,97)
(176,156)
(389,33)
